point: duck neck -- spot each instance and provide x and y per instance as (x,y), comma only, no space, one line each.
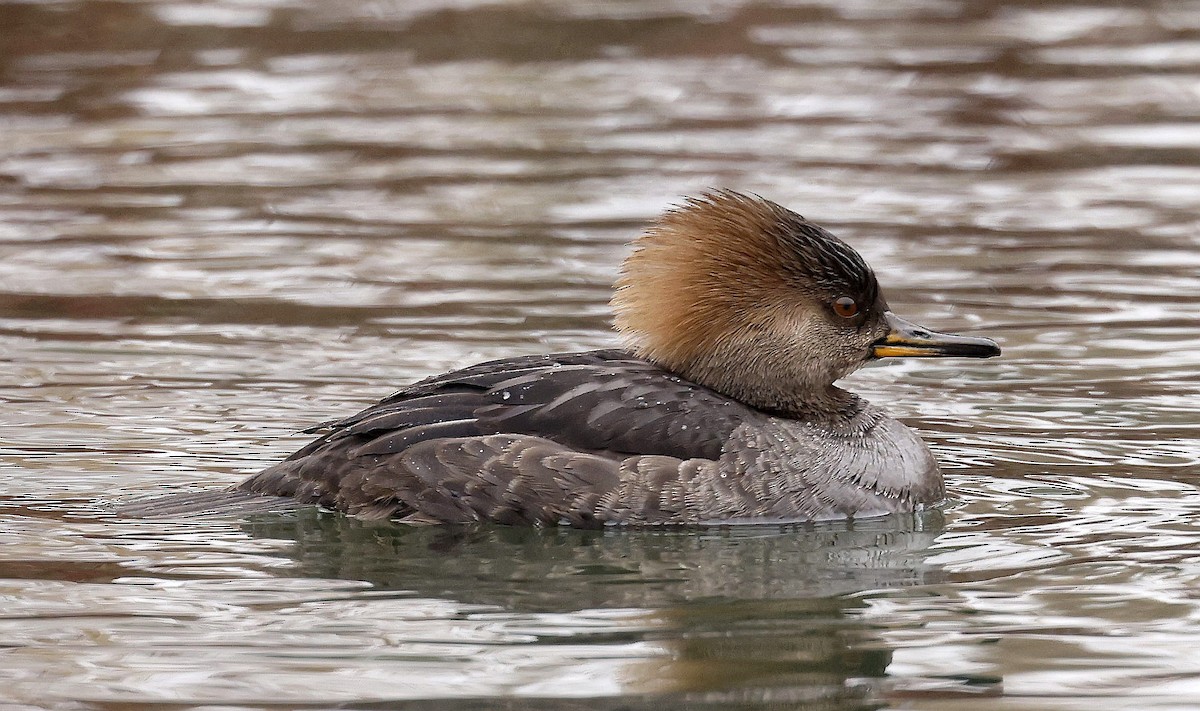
(830,406)
(802,393)
(793,398)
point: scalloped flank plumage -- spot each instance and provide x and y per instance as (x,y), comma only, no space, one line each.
(738,314)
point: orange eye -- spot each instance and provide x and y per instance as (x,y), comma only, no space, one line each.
(845,307)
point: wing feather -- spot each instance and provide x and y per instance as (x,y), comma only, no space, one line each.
(538,439)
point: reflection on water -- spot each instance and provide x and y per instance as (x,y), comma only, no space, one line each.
(221,222)
(350,611)
(519,568)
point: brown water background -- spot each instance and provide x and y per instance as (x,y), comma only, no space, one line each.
(223,221)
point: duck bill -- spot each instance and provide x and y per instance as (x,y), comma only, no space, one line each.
(908,340)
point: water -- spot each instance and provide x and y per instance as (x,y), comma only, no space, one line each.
(221,222)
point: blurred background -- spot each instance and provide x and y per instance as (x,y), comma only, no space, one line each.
(222,221)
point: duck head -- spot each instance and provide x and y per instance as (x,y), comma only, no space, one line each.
(752,300)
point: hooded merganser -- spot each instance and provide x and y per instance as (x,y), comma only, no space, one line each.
(738,315)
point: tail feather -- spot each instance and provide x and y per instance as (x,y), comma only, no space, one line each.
(203,504)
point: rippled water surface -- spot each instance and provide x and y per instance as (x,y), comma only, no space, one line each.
(222,221)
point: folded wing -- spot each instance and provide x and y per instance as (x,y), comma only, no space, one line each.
(581,438)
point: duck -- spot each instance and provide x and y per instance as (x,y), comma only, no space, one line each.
(738,317)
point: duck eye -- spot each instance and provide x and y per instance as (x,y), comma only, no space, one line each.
(845,307)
